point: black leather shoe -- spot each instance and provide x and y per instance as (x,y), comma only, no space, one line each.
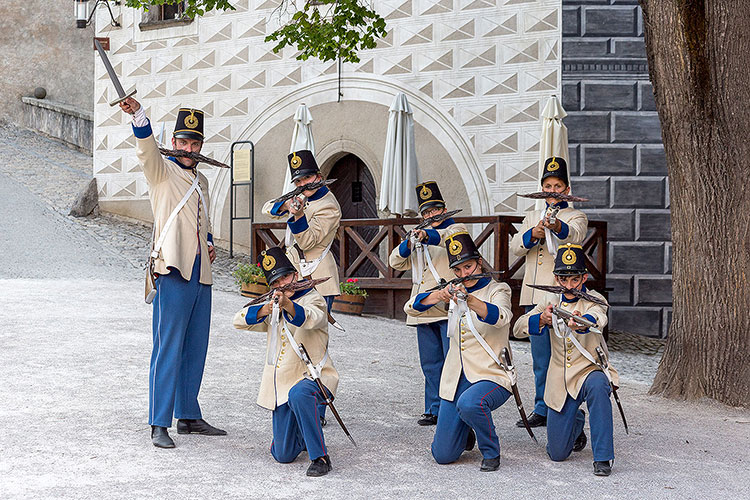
(200,426)
(427,419)
(602,468)
(490,464)
(535,420)
(160,437)
(319,467)
(580,442)
(471,440)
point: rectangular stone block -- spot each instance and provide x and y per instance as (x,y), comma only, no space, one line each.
(573,162)
(641,320)
(629,47)
(653,290)
(636,258)
(609,21)
(667,325)
(608,160)
(596,189)
(668,258)
(576,47)
(620,223)
(653,225)
(591,127)
(646,97)
(637,127)
(585,2)
(571,21)
(571,96)
(651,160)
(639,192)
(621,293)
(608,96)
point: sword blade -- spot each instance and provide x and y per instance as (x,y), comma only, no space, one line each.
(110,69)
(519,405)
(329,402)
(619,407)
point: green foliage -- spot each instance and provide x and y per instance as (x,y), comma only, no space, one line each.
(248,274)
(193,8)
(328,29)
(350,286)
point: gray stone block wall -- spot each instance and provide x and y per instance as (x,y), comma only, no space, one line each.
(617,159)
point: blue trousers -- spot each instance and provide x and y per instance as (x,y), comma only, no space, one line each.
(181,320)
(433,343)
(563,427)
(471,407)
(540,355)
(296,424)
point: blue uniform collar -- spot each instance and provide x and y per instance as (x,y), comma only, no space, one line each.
(321,192)
(180,164)
(574,299)
(299,294)
(483,282)
(445,223)
(560,205)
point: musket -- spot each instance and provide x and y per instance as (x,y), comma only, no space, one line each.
(571,291)
(579,320)
(519,404)
(604,365)
(313,371)
(435,218)
(456,281)
(294,286)
(121,95)
(310,186)
(539,195)
(551,215)
(181,153)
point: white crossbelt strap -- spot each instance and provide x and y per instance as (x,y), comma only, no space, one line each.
(276,319)
(309,267)
(421,255)
(163,235)
(563,331)
(553,242)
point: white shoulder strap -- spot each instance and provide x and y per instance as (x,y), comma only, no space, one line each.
(173,215)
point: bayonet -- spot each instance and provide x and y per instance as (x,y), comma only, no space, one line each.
(310,186)
(457,281)
(181,153)
(604,365)
(429,221)
(511,370)
(294,286)
(121,95)
(315,375)
(579,320)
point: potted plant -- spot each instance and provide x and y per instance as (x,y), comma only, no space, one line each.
(251,280)
(352,298)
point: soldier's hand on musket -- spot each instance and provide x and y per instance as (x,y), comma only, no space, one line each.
(443,295)
(130,106)
(296,208)
(546,317)
(552,227)
(573,325)
(456,291)
(537,232)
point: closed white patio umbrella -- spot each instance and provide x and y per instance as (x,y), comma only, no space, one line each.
(400,169)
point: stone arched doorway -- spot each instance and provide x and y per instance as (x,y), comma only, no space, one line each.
(355,191)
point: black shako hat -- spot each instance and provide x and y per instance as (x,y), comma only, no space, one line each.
(460,248)
(570,260)
(429,196)
(302,163)
(189,124)
(555,167)
(275,264)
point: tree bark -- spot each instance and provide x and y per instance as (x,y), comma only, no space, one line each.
(699,63)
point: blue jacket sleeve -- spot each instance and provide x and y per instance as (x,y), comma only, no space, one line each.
(418,306)
(527,240)
(493,314)
(299,315)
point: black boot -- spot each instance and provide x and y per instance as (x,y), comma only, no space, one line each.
(427,419)
(580,442)
(319,467)
(602,468)
(471,440)
(535,420)
(490,464)
(160,437)
(199,426)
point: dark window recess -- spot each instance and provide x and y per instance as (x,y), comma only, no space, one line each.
(162,16)
(170,11)
(356,192)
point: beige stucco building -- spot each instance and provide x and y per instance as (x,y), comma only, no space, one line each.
(476,73)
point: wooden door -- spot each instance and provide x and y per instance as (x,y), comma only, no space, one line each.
(355,191)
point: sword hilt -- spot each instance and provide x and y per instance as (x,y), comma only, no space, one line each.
(120,99)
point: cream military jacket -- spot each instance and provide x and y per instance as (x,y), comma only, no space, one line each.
(401,260)
(568,368)
(289,369)
(539,262)
(313,232)
(167,184)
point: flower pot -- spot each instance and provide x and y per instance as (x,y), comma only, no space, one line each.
(348,304)
(253,290)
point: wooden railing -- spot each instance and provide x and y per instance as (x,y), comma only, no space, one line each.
(390,289)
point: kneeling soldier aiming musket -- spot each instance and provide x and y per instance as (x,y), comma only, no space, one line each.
(292,319)
(578,371)
(474,380)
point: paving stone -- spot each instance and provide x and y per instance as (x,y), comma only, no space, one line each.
(638,192)
(608,160)
(653,225)
(653,290)
(636,258)
(608,96)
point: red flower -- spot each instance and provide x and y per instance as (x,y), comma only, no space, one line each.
(355,280)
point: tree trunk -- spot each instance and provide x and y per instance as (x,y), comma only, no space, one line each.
(699,63)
